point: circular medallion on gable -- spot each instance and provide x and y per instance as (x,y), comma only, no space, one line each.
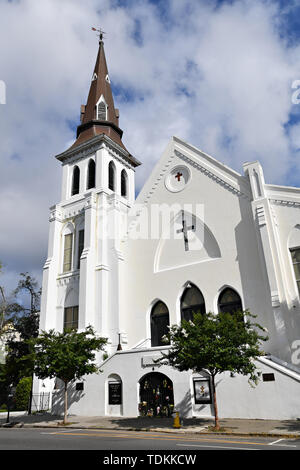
(178,178)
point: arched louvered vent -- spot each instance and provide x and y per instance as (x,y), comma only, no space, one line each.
(101,111)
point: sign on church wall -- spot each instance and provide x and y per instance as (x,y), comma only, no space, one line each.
(115,393)
(202,391)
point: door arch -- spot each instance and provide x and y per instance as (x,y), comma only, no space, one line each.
(156,395)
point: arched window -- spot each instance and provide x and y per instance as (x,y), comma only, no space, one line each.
(192,301)
(111,176)
(75,180)
(294,247)
(101,111)
(124,183)
(159,319)
(229,301)
(295,254)
(68,239)
(91,174)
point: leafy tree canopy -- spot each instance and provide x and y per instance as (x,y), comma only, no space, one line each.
(68,355)
(20,324)
(215,344)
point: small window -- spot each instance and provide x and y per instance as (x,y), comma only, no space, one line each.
(68,245)
(79,386)
(91,180)
(101,111)
(124,184)
(71,318)
(80,246)
(111,176)
(268,377)
(75,181)
(295,253)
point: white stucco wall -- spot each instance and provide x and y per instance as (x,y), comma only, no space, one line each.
(236,398)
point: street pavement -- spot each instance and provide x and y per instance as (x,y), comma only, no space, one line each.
(114,444)
(250,427)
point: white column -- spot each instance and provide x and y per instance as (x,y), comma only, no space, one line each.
(48,317)
(87,276)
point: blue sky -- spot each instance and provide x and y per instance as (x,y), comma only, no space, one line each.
(217,74)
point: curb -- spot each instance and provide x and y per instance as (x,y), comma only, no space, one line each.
(169,431)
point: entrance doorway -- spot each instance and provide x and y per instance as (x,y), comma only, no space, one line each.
(156,395)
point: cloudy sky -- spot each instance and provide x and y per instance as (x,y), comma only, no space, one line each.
(217,74)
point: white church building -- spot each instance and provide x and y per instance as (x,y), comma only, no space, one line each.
(199,237)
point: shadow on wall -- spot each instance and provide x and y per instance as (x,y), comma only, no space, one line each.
(58,400)
(282,323)
(185,406)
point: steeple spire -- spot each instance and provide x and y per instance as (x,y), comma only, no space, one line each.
(99,115)
(100,89)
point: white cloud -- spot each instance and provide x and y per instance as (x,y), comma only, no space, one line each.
(220,78)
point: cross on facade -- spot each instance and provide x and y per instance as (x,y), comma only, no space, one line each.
(178,176)
(185,230)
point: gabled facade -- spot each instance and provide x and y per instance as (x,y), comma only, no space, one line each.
(199,237)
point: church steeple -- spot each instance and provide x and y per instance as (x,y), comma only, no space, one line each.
(99,115)
(100,91)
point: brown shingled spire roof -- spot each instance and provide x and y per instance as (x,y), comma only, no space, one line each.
(100,86)
(93,121)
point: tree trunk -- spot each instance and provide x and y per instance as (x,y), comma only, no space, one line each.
(2,318)
(217,425)
(66,403)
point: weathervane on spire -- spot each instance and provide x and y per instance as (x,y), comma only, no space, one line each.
(100,33)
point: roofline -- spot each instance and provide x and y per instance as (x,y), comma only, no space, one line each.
(96,140)
(213,160)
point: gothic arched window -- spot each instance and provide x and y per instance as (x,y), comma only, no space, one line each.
(159,320)
(75,180)
(192,301)
(124,183)
(111,176)
(229,301)
(91,176)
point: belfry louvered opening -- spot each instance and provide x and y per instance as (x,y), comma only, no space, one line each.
(101,111)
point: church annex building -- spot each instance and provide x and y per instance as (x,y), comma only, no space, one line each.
(199,237)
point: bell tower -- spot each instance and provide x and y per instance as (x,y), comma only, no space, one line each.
(81,274)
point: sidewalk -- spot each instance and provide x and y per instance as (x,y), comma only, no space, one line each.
(287,428)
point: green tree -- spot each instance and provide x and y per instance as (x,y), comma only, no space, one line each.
(25,322)
(20,324)
(214,344)
(2,304)
(67,356)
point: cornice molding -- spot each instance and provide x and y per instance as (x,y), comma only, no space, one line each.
(91,146)
(212,175)
(282,202)
(68,278)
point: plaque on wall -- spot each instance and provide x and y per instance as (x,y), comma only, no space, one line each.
(202,391)
(115,393)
